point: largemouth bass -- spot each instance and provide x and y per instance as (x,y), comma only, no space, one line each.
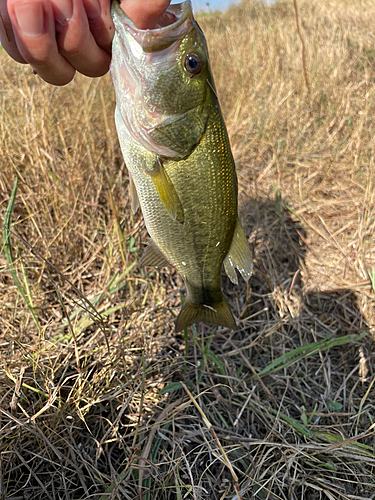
(176,148)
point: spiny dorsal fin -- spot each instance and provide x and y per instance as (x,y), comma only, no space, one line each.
(133,195)
(166,191)
(239,256)
(152,256)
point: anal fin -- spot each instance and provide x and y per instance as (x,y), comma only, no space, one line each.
(239,256)
(153,256)
(166,191)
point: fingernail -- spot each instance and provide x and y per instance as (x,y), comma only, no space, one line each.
(93,9)
(30,18)
(63,11)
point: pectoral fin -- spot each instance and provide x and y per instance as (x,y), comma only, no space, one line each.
(153,256)
(133,195)
(166,191)
(239,256)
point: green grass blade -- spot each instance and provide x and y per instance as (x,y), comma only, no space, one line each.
(217,362)
(174,386)
(299,428)
(295,355)
(9,254)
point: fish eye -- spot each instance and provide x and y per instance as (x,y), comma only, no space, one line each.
(193,64)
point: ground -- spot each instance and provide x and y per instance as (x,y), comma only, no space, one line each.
(99,397)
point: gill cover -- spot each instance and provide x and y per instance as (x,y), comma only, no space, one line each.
(162,81)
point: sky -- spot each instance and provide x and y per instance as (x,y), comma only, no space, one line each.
(213,4)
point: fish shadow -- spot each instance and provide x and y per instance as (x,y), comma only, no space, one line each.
(278,243)
(280,276)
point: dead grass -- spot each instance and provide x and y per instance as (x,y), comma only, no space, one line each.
(95,408)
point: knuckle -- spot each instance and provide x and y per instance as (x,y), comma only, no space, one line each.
(72,50)
(39,59)
(73,46)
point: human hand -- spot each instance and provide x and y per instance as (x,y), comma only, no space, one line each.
(59,37)
(145,14)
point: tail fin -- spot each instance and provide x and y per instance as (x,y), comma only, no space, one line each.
(217,314)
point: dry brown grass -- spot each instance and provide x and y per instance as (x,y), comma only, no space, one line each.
(290,394)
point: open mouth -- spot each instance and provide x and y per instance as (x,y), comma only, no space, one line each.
(171,26)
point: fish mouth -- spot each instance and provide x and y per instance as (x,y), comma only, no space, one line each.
(134,49)
(161,37)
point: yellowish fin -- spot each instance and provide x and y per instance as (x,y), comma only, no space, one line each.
(166,191)
(153,256)
(133,195)
(239,256)
(217,314)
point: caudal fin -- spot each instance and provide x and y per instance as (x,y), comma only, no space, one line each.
(217,314)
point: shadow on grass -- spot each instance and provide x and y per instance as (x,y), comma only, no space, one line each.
(288,395)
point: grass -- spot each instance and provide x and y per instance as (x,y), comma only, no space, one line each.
(99,398)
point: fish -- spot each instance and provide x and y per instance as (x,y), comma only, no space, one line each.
(176,148)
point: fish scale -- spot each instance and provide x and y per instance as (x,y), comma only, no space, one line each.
(178,154)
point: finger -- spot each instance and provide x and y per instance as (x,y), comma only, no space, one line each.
(75,40)
(34,29)
(7,38)
(145,14)
(100,21)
